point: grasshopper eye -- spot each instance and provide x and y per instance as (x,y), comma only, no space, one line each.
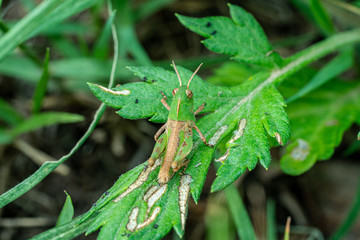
(175,91)
(189,93)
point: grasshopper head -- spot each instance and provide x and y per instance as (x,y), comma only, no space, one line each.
(187,91)
(183,99)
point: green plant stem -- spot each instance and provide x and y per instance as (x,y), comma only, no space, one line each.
(48,167)
(315,52)
(350,218)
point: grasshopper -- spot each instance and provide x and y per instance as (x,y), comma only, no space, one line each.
(175,137)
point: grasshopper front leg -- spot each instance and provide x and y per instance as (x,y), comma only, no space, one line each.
(158,133)
(200,109)
(201,135)
(163,101)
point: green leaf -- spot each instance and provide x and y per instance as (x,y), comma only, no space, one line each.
(358,136)
(239,213)
(143,99)
(137,207)
(262,111)
(321,17)
(335,67)
(8,114)
(241,37)
(231,74)
(318,122)
(45,119)
(67,212)
(42,84)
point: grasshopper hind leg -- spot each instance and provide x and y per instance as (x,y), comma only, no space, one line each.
(158,150)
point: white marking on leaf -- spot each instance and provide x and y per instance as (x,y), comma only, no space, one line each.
(131,226)
(301,151)
(278,138)
(197,165)
(156,196)
(184,190)
(123,92)
(216,137)
(150,219)
(140,180)
(223,157)
(150,192)
(238,133)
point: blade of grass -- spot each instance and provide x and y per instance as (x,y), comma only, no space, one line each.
(217,219)
(8,114)
(148,8)
(67,48)
(42,84)
(45,119)
(127,35)
(25,49)
(48,167)
(101,48)
(350,219)
(25,27)
(67,212)
(270,220)
(335,67)
(238,211)
(45,15)
(321,17)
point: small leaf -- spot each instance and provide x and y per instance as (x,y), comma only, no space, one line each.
(67,212)
(318,122)
(42,84)
(45,119)
(241,37)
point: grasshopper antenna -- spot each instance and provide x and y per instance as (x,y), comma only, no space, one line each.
(194,74)
(177,73)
